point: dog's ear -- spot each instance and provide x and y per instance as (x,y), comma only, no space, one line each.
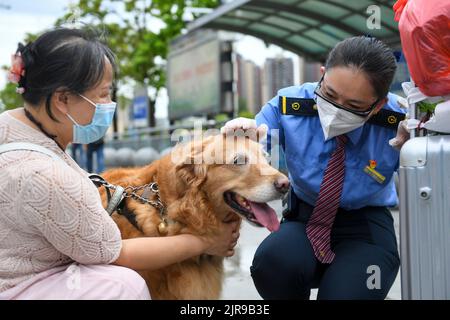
(192,167)
(191,173)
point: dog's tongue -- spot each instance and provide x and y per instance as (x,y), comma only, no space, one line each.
(265,215)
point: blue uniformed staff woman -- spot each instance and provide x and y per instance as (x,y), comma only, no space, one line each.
(338,234)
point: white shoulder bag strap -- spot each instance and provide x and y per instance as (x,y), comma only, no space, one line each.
(15,146)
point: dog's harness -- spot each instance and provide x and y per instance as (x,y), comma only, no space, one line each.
(116,200)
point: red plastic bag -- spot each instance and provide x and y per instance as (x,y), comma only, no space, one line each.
(425,34)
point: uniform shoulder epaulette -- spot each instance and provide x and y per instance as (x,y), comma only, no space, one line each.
(298,106)
(308,107)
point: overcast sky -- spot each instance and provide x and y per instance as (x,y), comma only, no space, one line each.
(24,16)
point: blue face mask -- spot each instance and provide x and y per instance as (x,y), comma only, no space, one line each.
(102,120)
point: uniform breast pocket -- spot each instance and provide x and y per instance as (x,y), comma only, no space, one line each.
(376,174)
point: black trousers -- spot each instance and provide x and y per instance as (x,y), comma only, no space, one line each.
(365,266)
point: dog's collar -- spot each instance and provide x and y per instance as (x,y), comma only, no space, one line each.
(116,203)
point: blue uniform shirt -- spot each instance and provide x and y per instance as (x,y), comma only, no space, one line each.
(307,153)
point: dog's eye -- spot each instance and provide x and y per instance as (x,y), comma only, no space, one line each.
(266,156)
(240,159)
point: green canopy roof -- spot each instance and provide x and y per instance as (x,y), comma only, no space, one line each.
(309,28)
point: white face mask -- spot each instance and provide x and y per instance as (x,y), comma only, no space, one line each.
(336,121)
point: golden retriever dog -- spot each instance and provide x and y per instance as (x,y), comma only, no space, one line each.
(201,184)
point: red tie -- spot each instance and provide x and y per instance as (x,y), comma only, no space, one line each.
(319,225)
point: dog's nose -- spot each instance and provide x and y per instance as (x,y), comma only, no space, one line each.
(282,184)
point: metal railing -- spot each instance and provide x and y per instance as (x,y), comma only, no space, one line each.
(159,138)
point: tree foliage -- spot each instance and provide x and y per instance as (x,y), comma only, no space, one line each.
(9,99)
(141,48)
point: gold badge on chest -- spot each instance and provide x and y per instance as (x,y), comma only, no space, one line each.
(370,170)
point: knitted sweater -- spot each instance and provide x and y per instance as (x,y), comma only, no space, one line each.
(50,212)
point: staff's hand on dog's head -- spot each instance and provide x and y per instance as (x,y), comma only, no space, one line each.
(223,243)
(247,127)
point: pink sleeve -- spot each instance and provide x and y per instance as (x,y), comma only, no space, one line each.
(65,207)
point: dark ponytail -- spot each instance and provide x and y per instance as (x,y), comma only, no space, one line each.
(71,59)
(369,55)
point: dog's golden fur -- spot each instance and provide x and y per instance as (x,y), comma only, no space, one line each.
(193,196)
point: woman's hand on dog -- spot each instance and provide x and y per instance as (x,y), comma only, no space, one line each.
(152,253)
(222,244)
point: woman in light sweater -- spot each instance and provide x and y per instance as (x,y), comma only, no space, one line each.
(56,239)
